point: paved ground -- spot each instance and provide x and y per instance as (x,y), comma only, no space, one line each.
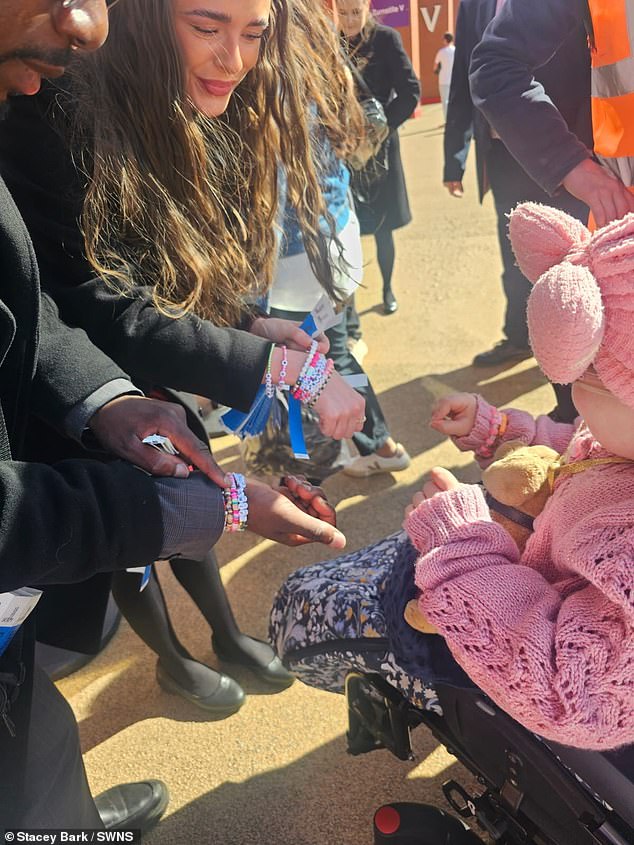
(277,772)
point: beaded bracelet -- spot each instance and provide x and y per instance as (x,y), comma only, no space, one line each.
(268,378)
(236,503)
(330,368)
(312,352)
(305,389)
(281,382)
(497,426)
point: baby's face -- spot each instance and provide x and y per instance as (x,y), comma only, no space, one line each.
(609,419)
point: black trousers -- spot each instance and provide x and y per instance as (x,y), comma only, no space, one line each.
(55,791)
(375,431)
(510,185)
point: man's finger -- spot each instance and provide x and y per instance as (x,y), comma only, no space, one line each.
(195,452)
(156,462)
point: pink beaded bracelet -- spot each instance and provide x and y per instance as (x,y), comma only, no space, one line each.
(236,503)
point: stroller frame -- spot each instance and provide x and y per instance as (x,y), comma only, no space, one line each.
(533,792)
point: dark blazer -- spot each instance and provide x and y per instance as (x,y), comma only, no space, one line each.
(187,354)
(62,523)
(388,72)
(544,121)
(565,78)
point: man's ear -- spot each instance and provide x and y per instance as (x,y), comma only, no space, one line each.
(542,237)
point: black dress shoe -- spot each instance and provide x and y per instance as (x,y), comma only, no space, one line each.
(390,305)
(501,353)
(133,805)
(226,697)
(272,673)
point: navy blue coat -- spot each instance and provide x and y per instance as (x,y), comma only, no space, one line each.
(563,73)
(530,76)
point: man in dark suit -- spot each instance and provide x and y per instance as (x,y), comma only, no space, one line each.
(566,78)
(69,521)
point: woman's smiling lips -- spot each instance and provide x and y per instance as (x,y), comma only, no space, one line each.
(217,87)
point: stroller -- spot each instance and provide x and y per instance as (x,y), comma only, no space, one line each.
(532,791)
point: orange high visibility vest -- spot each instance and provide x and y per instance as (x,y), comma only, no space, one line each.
(613,86)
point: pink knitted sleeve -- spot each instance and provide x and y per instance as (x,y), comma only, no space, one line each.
(521,426)
(558,658)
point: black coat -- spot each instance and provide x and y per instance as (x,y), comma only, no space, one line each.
(187,354)
(61,523)
(388,73)
(565,78)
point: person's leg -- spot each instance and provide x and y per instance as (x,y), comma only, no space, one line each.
(374,439)
(564,411)
(201,579)
(327,620)
(177,671)
(385,255)
(56,793)
(353,321)
(509,185)
(444,98)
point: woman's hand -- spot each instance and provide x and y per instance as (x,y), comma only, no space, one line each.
(440,480)
(276,516)
(341,409)
(454,415)
(287,333)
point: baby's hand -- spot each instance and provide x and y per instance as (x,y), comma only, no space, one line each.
(454,415)
(440,481)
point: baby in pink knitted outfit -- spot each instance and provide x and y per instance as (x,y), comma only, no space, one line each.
(549,635)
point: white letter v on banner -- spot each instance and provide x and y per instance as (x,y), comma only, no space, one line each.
(430,20)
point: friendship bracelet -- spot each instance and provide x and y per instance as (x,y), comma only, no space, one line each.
(498,424)
(310,357)
(236,503)
(268,378)
(329,371)
(281,382)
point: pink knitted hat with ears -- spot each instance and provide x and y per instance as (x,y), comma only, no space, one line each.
(581,308)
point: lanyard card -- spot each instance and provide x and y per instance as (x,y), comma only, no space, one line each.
(162,444)
(321,318)
(15,607)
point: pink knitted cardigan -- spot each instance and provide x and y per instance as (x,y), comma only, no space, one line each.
(548,636)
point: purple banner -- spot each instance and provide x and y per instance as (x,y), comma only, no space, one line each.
(391,12)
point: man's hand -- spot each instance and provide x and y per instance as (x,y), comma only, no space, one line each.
(275,516)
(308,497)
(454,415)
(288,333)
(455,189)
(601,190)
(440,480)
(121,425)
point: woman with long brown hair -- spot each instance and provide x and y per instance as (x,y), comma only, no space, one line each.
(177,128)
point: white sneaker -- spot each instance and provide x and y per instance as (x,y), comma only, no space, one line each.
(358,349)
(367,465)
